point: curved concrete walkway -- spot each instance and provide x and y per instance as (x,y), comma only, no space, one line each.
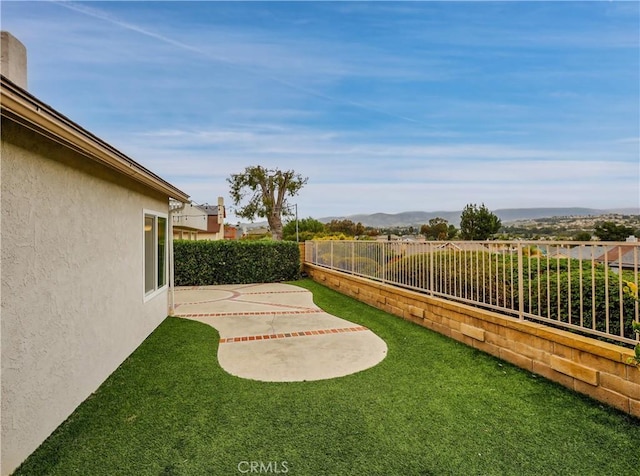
(275,333)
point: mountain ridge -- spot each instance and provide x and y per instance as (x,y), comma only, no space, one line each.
(507,215)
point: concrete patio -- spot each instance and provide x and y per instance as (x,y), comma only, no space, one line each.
(275,333)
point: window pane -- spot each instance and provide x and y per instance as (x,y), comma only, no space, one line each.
(162,239)
(149,254)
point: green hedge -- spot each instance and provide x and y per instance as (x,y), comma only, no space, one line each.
(557,287)
(458,274)
(200,263)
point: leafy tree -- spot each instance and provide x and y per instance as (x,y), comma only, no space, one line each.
(478,223)
(266,191)
(582,236)
(371,232)
(308,229)
(611,231)
(345,226)
(437,229)
(452,231)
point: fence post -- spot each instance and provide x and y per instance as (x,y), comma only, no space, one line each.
(384,261)
(520,283)
(353,257)
(431,269)
(331,263)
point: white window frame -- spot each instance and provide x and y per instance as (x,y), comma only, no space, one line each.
(148,295)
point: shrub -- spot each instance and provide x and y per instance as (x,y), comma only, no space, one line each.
(200,263)
(358,265)
(552,287)
(557,288)
(472,275)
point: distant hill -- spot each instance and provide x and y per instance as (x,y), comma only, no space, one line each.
(385,220)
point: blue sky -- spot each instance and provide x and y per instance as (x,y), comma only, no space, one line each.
(386,107)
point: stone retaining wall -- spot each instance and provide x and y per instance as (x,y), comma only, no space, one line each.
(586,365)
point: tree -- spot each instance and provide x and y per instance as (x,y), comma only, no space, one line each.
(308,229)
(437,229)
(582,236)
(371,232)
(266,190)
(345,226)
(611,231)
(478,223)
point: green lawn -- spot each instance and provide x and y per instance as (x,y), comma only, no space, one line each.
(433,406)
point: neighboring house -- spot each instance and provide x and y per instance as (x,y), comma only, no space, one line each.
(232,232)
(621,256)
(448,245)
(470,246)
(413,238)
(84,261)
(199,222)
(387,238)
(215,221)
(594,252)
(188,222)
(261,231)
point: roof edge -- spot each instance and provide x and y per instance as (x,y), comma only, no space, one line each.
(19,105)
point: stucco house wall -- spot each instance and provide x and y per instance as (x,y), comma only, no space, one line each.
(215,222)
(188,222)
(73,302)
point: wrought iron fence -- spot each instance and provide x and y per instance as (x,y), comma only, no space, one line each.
(579,286)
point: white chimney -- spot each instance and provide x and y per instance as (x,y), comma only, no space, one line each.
(221,211)
(14,59)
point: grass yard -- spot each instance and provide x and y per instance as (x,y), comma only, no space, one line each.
(433,406)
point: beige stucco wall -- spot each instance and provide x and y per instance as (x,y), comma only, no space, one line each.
(191,218)
(211,236)
(72,283)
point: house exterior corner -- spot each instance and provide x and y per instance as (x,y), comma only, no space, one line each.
(84,264)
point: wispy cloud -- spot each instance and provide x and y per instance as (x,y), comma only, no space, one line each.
(335,163)
(385,106)
(255,59)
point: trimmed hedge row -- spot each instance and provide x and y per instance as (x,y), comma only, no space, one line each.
(201,263)
(575,300)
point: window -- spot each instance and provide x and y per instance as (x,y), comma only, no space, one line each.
(155,252)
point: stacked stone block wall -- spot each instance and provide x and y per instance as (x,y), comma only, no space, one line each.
(586,365)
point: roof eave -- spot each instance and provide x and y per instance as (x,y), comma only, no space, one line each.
(20,106)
